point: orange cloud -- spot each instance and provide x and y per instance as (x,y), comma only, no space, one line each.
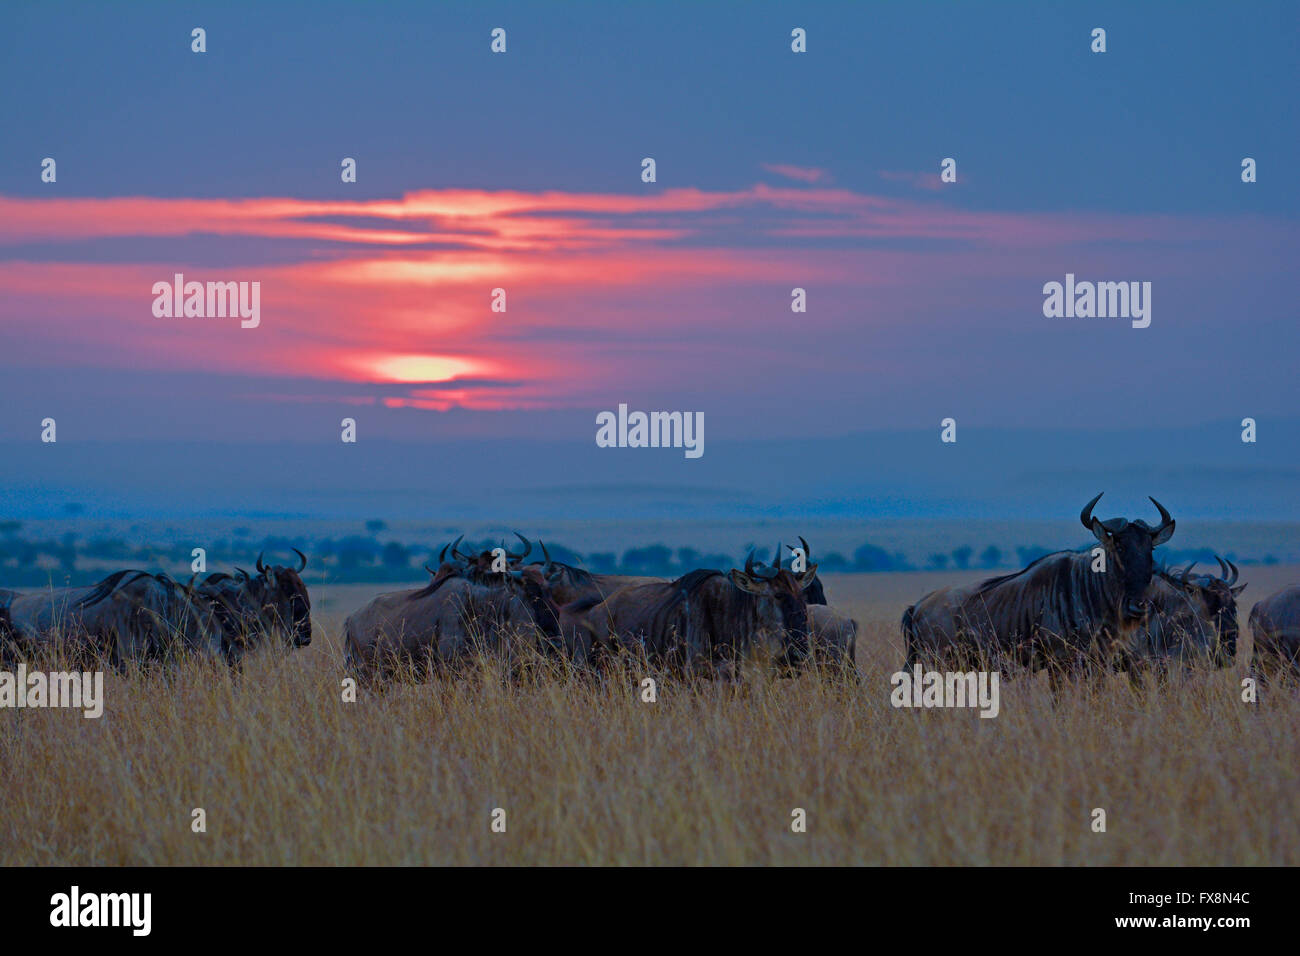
(395,294)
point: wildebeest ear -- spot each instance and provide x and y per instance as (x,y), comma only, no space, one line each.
(807,577)
(1099,530)
(1165,534)
(743,581)
(1238,589)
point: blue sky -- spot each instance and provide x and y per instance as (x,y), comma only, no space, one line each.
(1038,121)
(775,170)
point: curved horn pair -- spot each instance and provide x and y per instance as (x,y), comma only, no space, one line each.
(1166,519)
(262,568)
(455,551)
(528,549)
(1227,568)
(807,551)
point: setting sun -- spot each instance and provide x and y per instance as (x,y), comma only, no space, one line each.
(422,368)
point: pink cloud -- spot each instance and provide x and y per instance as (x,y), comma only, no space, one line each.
(603,290)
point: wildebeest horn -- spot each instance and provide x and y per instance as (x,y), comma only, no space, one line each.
(776,555)
(455,550)
(442,555)
(1166,519)
(749,564)
(261,568)
(1227,568)
(1086,514)
(430,570)
(545,554)
(243,572)
(302,558)
(807,551)
(1182,575)
(528,549)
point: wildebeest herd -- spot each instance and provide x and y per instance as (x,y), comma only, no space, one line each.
(138,617)
(1107,607)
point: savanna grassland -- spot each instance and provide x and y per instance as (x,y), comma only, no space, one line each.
(589,774)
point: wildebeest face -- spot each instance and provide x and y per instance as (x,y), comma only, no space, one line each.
(1129,546)
(782,607)
(530,584)
(1220,597)
(284,599)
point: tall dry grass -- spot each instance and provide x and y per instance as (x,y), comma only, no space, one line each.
(587,773)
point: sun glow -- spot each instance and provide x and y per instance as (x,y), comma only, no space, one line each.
(423,368)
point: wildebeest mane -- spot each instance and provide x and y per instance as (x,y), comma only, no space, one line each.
(107,586)
(431,587)
(991,583)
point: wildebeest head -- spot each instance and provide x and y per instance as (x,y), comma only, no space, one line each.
(567,583)
(281,597)
(478,567)
(530,584)
(1219,597)
(455,565)
(782,605)
(1128,546)
(815,592)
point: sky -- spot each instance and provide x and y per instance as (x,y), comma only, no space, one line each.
(521,171)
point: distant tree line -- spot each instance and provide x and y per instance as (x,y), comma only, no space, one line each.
(34,562)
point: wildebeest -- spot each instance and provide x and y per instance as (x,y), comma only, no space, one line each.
(1275,627)
(130,616)
(707,622)
(1057,613)
(1193,617)
(136,616)
(463,612)
(832,636)
(272,601)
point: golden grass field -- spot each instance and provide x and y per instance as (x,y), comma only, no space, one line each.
(588,774)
